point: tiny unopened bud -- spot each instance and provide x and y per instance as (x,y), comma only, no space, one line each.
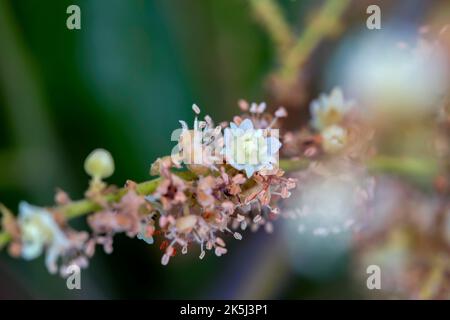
(99,164)
(196,109)
(243,105)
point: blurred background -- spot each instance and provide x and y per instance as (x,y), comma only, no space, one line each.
(122,82)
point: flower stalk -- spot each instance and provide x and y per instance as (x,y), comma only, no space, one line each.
(271,18)
(4,239)
(421,171)
(293,54)
(325,23)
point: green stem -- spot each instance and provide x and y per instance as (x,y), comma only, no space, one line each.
(325,23)
(289,165)
(4,239)
(421,171)
(81,207)
(271,17)
(84,206)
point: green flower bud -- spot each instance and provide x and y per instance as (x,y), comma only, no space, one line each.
(99,164)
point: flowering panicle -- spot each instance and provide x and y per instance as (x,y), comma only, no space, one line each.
(208,188)
(228,192)
(212,206)
(222,179)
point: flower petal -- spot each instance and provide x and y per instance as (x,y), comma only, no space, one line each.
(247,124)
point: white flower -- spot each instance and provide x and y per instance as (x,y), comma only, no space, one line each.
(40,231)
(246,148)
(334,138)
(329,110)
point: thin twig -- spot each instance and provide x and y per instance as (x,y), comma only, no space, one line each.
(271,18)
(323,25)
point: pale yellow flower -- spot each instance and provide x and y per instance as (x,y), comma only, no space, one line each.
(334,138)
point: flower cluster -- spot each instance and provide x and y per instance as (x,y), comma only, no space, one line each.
(335,189)
(249,143)
(336,128)
(233,183)
(202,210)
(239,189)
(37,229)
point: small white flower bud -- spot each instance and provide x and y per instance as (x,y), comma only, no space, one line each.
(99,164)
